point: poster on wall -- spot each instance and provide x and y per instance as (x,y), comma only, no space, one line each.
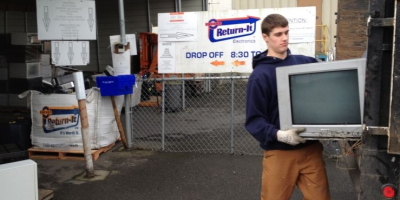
(167,56)
(178,27)
(66,19)
(70,53)
(226,41)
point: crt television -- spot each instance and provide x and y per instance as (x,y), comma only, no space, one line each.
(326,98)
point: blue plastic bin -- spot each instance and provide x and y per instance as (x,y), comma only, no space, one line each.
(115,85)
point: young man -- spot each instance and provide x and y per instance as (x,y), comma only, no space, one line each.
(288,160)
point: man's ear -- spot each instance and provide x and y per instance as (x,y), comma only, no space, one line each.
(265,37)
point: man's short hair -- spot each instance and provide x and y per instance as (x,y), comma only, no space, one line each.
(272,21)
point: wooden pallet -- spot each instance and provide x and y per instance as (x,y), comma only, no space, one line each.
(55,154)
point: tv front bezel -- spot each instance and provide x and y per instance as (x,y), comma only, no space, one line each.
(319,131)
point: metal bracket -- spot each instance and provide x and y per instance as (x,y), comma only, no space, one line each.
(379,22)
(377,130)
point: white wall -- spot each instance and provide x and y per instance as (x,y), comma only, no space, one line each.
(329,8)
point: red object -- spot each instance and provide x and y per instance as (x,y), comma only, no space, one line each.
(389,191)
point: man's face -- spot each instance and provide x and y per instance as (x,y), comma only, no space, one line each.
(277,40)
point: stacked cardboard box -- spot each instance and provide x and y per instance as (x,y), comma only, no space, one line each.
(46,67)
(24,67)
(3,81)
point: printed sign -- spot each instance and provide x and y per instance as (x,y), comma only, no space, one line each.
(121,62)
(167,56)
(226,29)
(70,53)
(179,26)
(66,19)
(61,119)
(227,40)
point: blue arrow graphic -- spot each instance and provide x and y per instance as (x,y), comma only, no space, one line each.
(248,19)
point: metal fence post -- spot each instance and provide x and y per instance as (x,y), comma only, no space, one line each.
(232,113)
(183,92)
(163,114)
(128,120)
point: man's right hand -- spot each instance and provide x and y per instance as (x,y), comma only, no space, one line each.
(291,136)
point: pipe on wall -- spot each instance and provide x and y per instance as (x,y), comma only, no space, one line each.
(5,21)
(97,41)
(178,5)
(205,3)
(148,16)
(26,22)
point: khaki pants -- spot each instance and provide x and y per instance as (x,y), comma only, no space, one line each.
(283,170)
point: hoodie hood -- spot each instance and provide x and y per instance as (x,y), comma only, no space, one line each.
(262,58)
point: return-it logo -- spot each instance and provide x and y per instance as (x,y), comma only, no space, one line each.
(226,29)
(59,118)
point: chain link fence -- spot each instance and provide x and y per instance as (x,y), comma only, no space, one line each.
(202,114)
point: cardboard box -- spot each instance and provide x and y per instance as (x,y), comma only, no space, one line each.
(23,54)
(45,59)
(46,47)
(3,99)
(19,85)
(46,70)
(25,70)
(24,39)
(3,86)
(48,79)
(3,61)
(15,101)
(3,74)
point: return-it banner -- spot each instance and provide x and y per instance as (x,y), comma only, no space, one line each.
(225,41)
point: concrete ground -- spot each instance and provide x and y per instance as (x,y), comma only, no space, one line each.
(150,175)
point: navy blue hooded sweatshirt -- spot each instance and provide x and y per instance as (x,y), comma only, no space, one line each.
(262,114)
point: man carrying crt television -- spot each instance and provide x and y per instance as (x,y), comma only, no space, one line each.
(288,160)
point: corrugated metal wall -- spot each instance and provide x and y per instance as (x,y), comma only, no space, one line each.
(17,21)
(108,24)
(21,21)
(160,6)
(192,6)
(257,4)
(139,15)
(2,24)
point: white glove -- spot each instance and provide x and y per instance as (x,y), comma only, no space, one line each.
(291,136)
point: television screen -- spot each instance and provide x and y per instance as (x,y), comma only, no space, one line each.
(325,98)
